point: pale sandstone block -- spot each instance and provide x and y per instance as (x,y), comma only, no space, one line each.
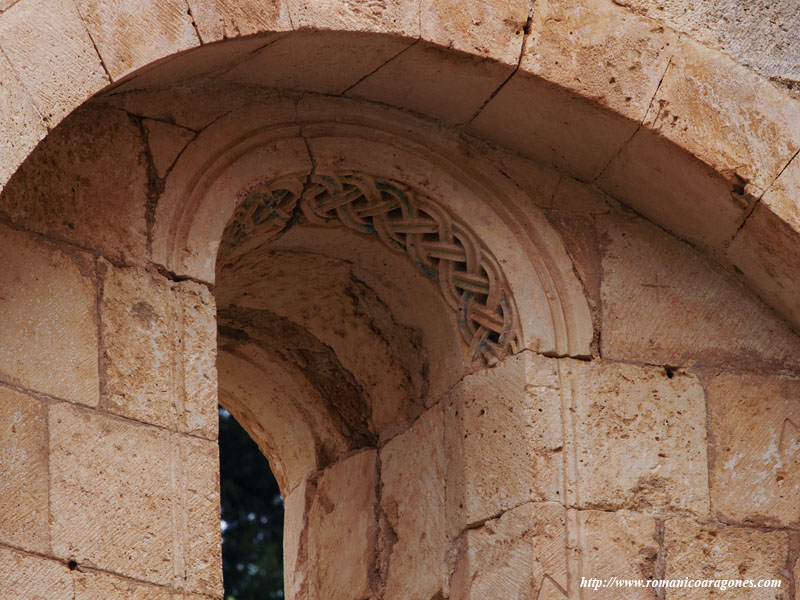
(492,29)
(704,551)
(342,529)
(103,213)
(434,81)
(27,577)
(503,439)
(296,574)
(139,346)
(412,496)
(622,544)
(521,554)
(726,115)
(165,143)
(130,34)
(665,303)
(554,126)
(755,427)
(332,61)
(23,463)
(110,493)
(222,19)
(640,438)
(196,511)
(95,585)
(48,318)
(21,127)
(399,17)
(53,57)
(601,51)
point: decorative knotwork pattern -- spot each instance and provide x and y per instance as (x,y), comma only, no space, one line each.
(443,248)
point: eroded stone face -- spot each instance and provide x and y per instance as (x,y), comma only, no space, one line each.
(755,468)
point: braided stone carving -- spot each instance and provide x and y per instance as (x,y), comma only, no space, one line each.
(441,247)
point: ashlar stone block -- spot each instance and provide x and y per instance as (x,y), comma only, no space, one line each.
(28,577)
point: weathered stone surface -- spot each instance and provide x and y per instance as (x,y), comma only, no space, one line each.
(553,125)
(332,61)
(520,555)
(21,127)
(196,513)
(343,530)
(665,303)
(412,497)
(219,19)
(493,29)
(103,213)
(198,334)
(129,34)
(296,574)
(755,469)
(758,34)
(503,437)
(639,436)
(724,115)
(53,57)
(110,493)
(387,16)
(434,81)
(24,510)
(139,346)
(48,316)
(95,585)
(601,51)
(619,544)
(165,142)
(700,551)
(27,577)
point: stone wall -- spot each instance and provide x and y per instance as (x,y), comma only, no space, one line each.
(639,212)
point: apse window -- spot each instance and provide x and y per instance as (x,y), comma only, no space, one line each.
(252,517)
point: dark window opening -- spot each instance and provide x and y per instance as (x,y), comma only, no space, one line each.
(252,517)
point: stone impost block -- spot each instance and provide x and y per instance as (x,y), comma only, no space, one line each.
(412,497)
(503,440)
(24,512)
(48,318)
(52,54)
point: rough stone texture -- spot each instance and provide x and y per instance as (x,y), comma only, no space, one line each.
(711,108)
(759,34)
(503,437)
(222,19)
(639,438)
(105,214)
(343,530)
(664,303)
(400,17)
(110,493)
(701,551)
(24,508)
(21,127)
(484,27)
(755,428)
(94,585)
(27,577)
(54,58)
(129,34)
(412,497)
(196,515)
(165,142)
(297,504)
(601,51)
(422,79)
(139,355)
(331,65)
(622,544)
(48,316)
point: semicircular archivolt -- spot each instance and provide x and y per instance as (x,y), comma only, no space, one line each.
(442,247)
